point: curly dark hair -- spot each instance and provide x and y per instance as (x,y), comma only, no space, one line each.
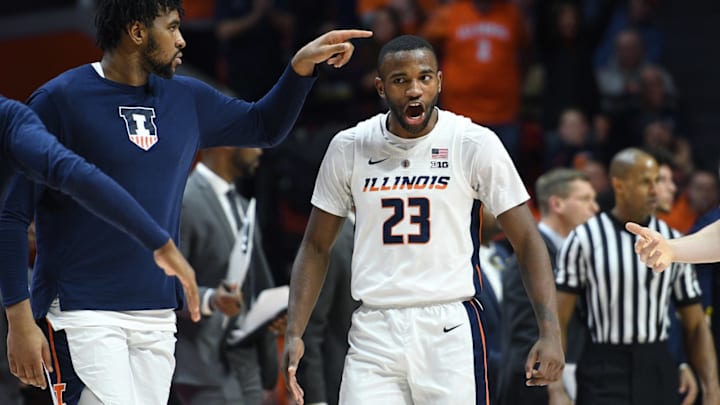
(114,16)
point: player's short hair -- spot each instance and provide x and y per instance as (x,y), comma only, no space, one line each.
(556,182)
(113,17)
(403,43)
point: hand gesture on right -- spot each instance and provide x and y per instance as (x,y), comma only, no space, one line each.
(652,247)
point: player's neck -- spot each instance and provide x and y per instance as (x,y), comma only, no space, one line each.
(123,68)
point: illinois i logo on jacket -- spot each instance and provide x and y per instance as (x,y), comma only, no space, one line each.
(140,125)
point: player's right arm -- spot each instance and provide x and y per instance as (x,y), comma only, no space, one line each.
(658,252)
(308,275)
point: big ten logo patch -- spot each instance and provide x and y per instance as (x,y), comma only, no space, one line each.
(140,125)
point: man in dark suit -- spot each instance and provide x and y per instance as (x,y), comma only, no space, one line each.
(325,337)
(566,199)
(209,371)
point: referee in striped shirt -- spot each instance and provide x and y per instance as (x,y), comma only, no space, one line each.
(628,361)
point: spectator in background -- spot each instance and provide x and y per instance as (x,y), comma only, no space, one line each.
(597,173)
(261,28)
(566,199)
(699,198)
(658,135)
(413,13)
(480,44)
(566,42)
(326,336)
(572,136)
(654,102)
(638,15)
(619,80)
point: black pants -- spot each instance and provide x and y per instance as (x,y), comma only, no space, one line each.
(641,374)
(513,391)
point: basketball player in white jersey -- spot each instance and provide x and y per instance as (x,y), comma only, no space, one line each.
(412,175)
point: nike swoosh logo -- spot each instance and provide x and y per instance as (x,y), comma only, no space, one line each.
(446,329)
(374,162)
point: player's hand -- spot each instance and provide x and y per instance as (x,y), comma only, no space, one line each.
(27,348)
(228,299)
(293,352)
(652,247)
(173,263)
(545,361)
(333,47)
(687,384)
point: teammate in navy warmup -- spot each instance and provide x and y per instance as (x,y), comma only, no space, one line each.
(107,310)
(27,147)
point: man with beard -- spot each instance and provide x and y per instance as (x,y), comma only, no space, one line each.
(412,175)
(107,309)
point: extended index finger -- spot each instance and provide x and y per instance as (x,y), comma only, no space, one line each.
(638,230)
(344,35)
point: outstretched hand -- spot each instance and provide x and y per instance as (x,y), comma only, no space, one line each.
(651,246)
(293,352)
(332,47)
(173,263)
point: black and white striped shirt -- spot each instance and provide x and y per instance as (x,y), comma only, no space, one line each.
(626,301)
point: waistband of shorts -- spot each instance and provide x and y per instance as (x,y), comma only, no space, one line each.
(415,305)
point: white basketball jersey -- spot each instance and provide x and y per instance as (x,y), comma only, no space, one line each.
(413,200)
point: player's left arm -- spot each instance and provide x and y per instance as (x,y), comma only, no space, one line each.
(308,276)
(521,230)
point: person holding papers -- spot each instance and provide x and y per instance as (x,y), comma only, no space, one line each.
(216,365)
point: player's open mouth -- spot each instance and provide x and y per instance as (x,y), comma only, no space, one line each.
(415,113)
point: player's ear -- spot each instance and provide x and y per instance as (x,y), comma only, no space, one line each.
(439,76)
(380,87)
(137,32)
